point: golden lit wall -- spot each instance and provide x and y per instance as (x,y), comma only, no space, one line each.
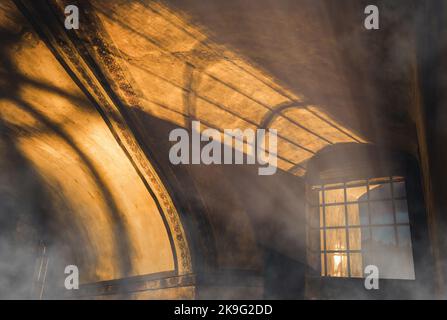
(180,74)
(104,212)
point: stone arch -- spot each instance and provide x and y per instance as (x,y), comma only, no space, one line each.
(73,136)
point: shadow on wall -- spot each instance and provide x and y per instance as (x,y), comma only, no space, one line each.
(33,210)
(23,220)
(247,222)
(193,78)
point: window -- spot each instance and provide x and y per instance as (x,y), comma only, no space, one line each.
(360,223)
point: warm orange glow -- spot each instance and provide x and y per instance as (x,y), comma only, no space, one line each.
(181,76)
(365,222)
(98,195)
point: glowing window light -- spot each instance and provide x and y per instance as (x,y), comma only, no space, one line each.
(364,222)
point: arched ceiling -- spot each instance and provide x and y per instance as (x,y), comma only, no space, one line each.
(236,65)
(105,200)
(179,73)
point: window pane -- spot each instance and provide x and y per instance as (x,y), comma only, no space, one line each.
(364,213)
(336,239)
(366,236)
(401,211)
(358,214)
(381,212)
(355,239)
(383,238)
(370,228)
(380,191)
(337,264)
(356,194)
(353,214)
(335,216)
(399,189)
(393,263)
(334,195)
(356,265)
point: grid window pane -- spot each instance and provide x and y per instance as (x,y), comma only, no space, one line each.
(380,191)
(364,213)
(355,239)
(356,193)
(335,216)
(366,235)
(336,239)
(353,214)
(383,237)
(382,212)
(337,265)
(334,196)
(356,264)
(370,227)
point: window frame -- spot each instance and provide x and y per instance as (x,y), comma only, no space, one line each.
(321,208)
(349,162)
